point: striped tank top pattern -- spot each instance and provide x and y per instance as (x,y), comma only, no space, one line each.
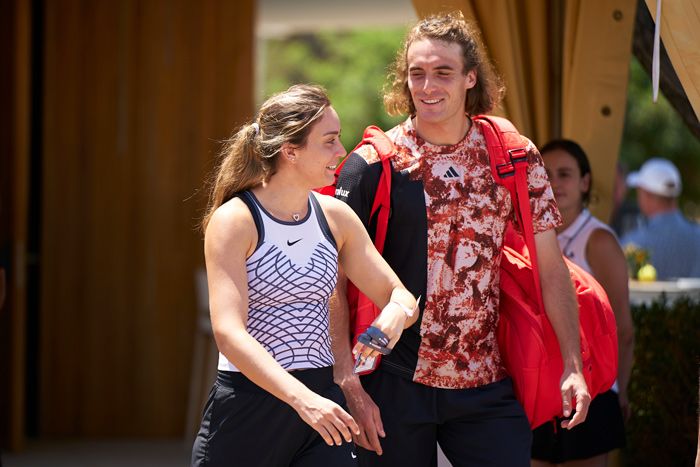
(291,276)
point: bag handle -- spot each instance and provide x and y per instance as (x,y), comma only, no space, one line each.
(508,156)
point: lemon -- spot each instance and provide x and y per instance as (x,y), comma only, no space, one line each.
(647,273)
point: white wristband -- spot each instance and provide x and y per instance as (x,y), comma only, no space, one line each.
(409,312)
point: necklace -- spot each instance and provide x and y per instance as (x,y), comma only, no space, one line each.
(296,216)
(278,214)
(568,253)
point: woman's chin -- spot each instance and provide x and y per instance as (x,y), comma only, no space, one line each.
(329,178)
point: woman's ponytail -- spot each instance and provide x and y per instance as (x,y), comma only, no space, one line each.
(250,156)
(242,167)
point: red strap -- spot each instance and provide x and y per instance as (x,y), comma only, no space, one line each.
(509,167)
(374,136)
(382,202)
(523,197)
(382,198)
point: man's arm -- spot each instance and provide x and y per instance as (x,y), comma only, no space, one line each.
(361,405)
(609,267)
(562,310)
(357,185)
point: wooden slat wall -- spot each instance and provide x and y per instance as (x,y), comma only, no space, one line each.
(136,96)
(15,80)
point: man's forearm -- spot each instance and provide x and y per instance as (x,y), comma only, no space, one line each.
(562,310)
(340,335)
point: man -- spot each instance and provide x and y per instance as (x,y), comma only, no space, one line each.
(625,214)
(444,381)
(672,241)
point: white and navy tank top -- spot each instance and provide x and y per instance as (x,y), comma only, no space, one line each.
(574,239)
(291,276)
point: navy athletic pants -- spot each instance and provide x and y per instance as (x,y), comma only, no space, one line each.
(483,426)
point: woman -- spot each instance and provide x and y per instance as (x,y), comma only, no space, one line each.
(272,250)
(591,244)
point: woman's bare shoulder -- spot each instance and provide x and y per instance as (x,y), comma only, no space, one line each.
(335,209)
(342,220)
(603,239)
(231,226)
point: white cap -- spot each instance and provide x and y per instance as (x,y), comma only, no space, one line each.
(658,176)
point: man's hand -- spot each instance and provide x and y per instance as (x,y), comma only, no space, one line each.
(573,388)
(366,414)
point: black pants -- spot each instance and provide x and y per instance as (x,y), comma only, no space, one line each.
(484,426)
(243,425)
(603,431)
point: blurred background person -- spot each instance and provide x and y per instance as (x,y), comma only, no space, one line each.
(672,241)
(625,215)
(592,245)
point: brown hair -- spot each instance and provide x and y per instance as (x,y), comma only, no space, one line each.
(250,156)
(447,27)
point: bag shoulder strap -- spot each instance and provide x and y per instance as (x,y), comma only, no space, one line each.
(379,140)
(385,148)
(382,198)
(508,154)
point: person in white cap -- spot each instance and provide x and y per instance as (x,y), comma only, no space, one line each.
(672,241)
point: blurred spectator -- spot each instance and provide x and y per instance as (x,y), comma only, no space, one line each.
(625,215)
(673,242)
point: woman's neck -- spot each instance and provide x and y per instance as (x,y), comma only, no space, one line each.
(285,199)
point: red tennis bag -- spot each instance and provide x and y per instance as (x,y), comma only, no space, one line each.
(528,344)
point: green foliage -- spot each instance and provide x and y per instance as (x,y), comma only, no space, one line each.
(352,66)
(663,389)
(656,130)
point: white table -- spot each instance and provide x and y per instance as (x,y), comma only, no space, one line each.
(646,292)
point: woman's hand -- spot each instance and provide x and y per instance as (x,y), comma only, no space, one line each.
(391,321)
(326,417)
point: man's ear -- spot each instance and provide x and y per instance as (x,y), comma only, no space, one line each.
(470,79)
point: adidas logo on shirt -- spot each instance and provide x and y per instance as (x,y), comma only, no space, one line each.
(451,173)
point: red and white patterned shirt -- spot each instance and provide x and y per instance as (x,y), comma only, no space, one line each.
(467,214)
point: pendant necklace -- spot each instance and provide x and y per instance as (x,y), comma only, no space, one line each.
(568,253)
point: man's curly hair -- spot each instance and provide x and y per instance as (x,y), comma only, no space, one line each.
(450,28)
